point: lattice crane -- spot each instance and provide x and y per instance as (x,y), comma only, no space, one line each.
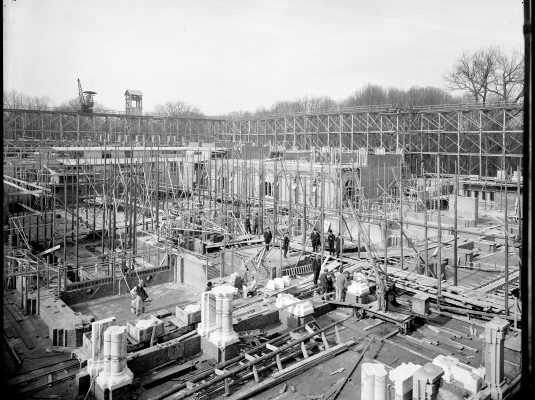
(86,99)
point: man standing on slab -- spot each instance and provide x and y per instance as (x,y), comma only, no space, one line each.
(315,239)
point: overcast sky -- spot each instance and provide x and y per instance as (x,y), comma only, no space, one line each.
(224,56)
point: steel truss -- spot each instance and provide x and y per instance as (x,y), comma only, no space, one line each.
(46,126)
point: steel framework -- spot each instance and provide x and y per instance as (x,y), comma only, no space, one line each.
(482,139)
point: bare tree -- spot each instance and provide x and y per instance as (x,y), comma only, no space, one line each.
(370,95)
(16,99)
(177,109)
(74,105)
(508,82)
(487,74)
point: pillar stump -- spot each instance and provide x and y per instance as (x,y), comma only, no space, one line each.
(495,331)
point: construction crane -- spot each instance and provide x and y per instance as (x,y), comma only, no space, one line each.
(86,99)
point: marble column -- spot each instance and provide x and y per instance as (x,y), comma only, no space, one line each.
(495,331)
(96,363)
(223,335)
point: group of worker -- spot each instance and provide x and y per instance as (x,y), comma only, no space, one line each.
(328,281)
(335,242)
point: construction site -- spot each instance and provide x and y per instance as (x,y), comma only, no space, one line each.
(365,253)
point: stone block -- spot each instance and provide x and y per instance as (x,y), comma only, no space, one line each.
(302,309)
(402,378)
(446,363)
(219,354)
(141,329)
(190,315)
(420,304)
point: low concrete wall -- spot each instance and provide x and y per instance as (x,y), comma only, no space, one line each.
(190,271)
(65,328)
(93,289)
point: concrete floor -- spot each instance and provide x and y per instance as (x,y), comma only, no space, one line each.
(163,296)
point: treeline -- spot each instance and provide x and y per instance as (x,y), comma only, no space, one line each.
(16,99)
(481,76)
(369,95)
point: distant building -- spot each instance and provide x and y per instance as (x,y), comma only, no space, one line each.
(133,102)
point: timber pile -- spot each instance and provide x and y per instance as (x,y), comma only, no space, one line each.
(460,296)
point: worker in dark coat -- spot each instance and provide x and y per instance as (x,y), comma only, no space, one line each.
(255,226)
(339,244)
(316,268)
(324,281)
(267,237)
(331,239)
(315,239)
(248,224)
(286,244)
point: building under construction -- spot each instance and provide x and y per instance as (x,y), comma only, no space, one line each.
(409,289)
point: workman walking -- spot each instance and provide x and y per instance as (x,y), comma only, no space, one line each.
(139,296)
(330,239)
(267,237)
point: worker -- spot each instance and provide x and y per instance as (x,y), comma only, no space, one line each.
(330,239)
(339,244)
(315,239)
(330,282)
(341,286)
(139,296)
(390,297)
(252,286)
(316,268)
(323,281)
(248,224)
(245,276)
(286,244)
(267,237)
(255,226)
(209,286)
(238,283)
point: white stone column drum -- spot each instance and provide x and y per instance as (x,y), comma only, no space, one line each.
(115,374)
(208,314)
(224,335)
(96,363)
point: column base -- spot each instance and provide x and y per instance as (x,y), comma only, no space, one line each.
(224,339)
(217,353)
(119,393)
(113,382)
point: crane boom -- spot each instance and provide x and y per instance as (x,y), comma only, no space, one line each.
(81,95)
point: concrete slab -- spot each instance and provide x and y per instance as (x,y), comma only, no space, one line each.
(164,296)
